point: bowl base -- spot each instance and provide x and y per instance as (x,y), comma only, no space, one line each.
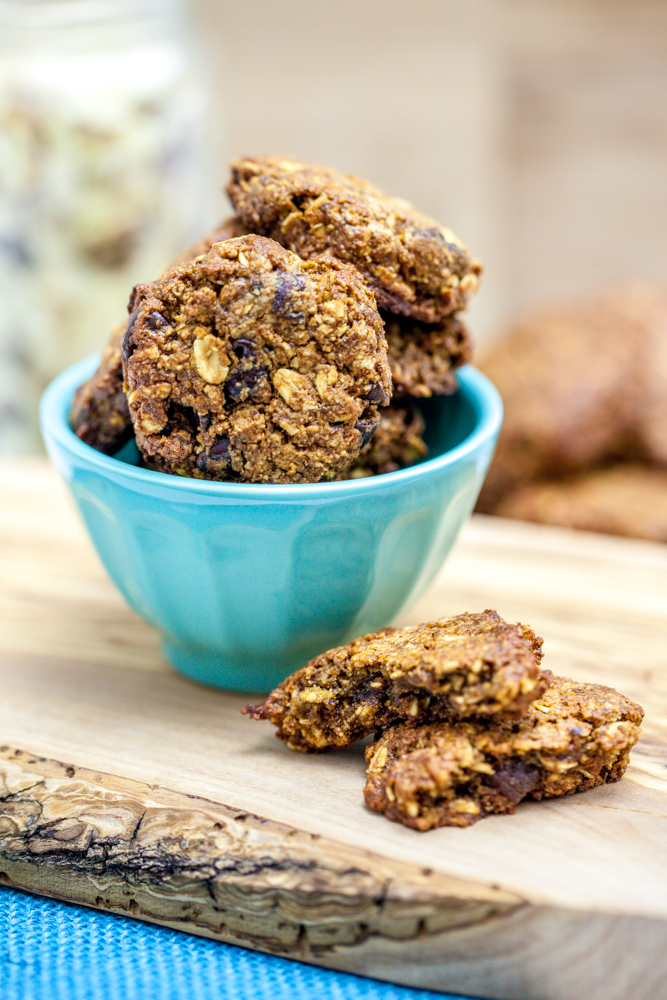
(214,670)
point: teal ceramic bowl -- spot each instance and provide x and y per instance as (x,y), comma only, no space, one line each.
(245,583)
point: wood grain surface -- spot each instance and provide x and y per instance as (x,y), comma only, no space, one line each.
(127,787)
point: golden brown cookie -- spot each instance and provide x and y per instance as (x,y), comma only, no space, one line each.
(249,363)
(572,738)
(453,667)
(397,443)
(414,266)
(423,357)
(626,499)
(99,414)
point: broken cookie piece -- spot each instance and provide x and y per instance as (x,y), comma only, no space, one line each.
(450,668)
(572,738)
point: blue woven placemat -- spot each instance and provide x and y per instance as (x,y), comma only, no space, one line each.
(56,951)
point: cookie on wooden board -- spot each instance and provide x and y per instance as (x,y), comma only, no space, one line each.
(449,668)
(572,738)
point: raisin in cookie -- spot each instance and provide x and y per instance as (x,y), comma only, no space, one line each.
(414,266)
(423,357)
(469,664)
(574,737)
(99,414)
(251,364)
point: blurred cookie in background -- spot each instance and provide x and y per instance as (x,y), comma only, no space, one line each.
(585,393)
(625,499)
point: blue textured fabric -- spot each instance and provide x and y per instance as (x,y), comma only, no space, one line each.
(55,951)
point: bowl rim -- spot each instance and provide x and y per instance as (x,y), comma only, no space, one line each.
(54,421)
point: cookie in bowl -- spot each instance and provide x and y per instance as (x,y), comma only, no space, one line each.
(249,363)
(415,266)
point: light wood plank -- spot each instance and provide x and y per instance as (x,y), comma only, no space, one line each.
(134,789)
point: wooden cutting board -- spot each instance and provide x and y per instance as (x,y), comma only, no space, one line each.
(127,787)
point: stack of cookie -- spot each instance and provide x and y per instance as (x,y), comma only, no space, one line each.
(467,723)
(265,354)
(420,273)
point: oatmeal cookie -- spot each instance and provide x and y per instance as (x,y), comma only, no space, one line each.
(414,266)
(397,443)
(469,664)
(574,737)
(423,357)
(567,383)
(249,363)
(625,499)
(99,414)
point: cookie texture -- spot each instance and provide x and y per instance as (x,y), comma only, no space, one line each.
(449,668)
(423,357)
(100,415)
(249,363)
(572,738)
(414,266)
(397,443)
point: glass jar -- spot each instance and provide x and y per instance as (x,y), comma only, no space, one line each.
(102,178)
